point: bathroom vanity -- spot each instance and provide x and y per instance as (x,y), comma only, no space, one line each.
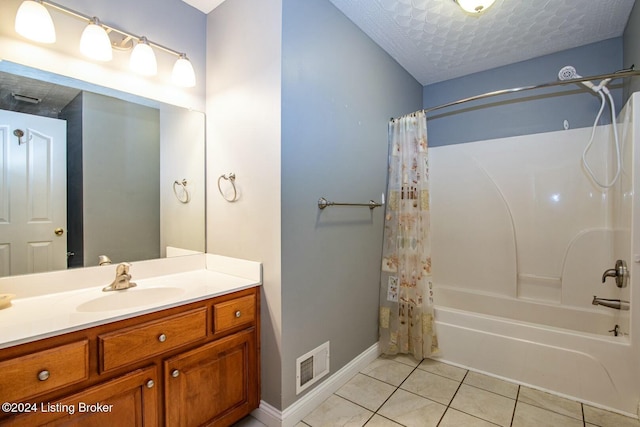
(190,359)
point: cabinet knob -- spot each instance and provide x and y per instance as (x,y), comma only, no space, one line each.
(238,314)
(150,384)
(175,373)
(43,375)
(162,337)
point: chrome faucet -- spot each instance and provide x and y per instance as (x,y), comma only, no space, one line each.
(122,280)
(611,303)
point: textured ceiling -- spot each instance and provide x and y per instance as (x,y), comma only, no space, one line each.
(435,40)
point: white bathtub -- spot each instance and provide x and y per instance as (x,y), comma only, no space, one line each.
(588,367)
(520,240)
(595,320)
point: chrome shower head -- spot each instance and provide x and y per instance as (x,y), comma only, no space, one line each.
(569,73)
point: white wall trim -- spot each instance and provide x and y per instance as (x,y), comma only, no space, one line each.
(273,417)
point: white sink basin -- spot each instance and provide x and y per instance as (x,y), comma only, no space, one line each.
(129,298)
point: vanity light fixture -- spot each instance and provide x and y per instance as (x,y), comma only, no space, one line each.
(475,6)
(143,60)
(183,74)
(34,22)
(95,42)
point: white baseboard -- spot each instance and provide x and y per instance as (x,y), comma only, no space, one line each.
(268,415)
(292,415)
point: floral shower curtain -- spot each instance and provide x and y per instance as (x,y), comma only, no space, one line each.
(406,300)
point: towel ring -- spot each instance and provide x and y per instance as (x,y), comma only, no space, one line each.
(232,179)
(185,197)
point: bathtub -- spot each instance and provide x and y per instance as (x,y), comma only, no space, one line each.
(593,321)
(520,240)
(587,367)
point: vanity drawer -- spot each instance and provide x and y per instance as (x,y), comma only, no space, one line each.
(130,345)
(44,371)
(233,313)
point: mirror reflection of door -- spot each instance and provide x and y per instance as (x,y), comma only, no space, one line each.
(32,194)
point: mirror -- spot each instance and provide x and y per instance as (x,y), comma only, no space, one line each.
(87,171)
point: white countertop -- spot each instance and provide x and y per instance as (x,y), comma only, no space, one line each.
(54,303)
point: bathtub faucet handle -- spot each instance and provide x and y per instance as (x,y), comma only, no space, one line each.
(620,273)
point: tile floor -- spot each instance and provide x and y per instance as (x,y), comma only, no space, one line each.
(400,391)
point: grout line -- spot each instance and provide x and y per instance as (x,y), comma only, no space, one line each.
(386,418)
(584,421)
(394,391)
(453,397)
(546,408)
(493,392)
(398,386)
(513,415)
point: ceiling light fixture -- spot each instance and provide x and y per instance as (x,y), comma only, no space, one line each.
(475,6)
(95,42)
(34,22)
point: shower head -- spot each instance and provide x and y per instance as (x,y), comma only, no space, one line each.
(569,73)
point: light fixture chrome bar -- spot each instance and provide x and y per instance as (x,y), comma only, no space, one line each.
(616,75)
(323,203)
(126,34)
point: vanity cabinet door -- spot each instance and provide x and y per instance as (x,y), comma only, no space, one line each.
(130,400)
(214,384)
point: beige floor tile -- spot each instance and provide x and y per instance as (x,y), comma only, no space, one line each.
(431,386)
(412,410)
(449,371)
(407,359)
(388,370)
(550,402)
(249,421)
(378,421)
(603,418)
(366,391)
(336,411)
(495,385)
(484,404)
(453,418)
(532,416)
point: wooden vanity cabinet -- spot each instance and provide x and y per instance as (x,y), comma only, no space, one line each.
(193,365)
(212,382)
(130,400)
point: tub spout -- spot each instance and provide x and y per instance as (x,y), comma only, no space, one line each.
(611,303)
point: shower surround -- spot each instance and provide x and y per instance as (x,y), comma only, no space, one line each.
(521,238)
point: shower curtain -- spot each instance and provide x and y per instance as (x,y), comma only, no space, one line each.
(406,302)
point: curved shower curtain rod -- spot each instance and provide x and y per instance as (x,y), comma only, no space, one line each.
(630,72)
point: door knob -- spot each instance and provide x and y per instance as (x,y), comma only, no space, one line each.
(59,231)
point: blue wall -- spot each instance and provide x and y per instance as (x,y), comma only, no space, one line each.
(528,112)
(339,90)
(631,41)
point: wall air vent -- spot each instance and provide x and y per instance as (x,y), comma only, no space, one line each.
(312,366)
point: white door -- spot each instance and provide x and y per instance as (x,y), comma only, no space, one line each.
(33,193)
